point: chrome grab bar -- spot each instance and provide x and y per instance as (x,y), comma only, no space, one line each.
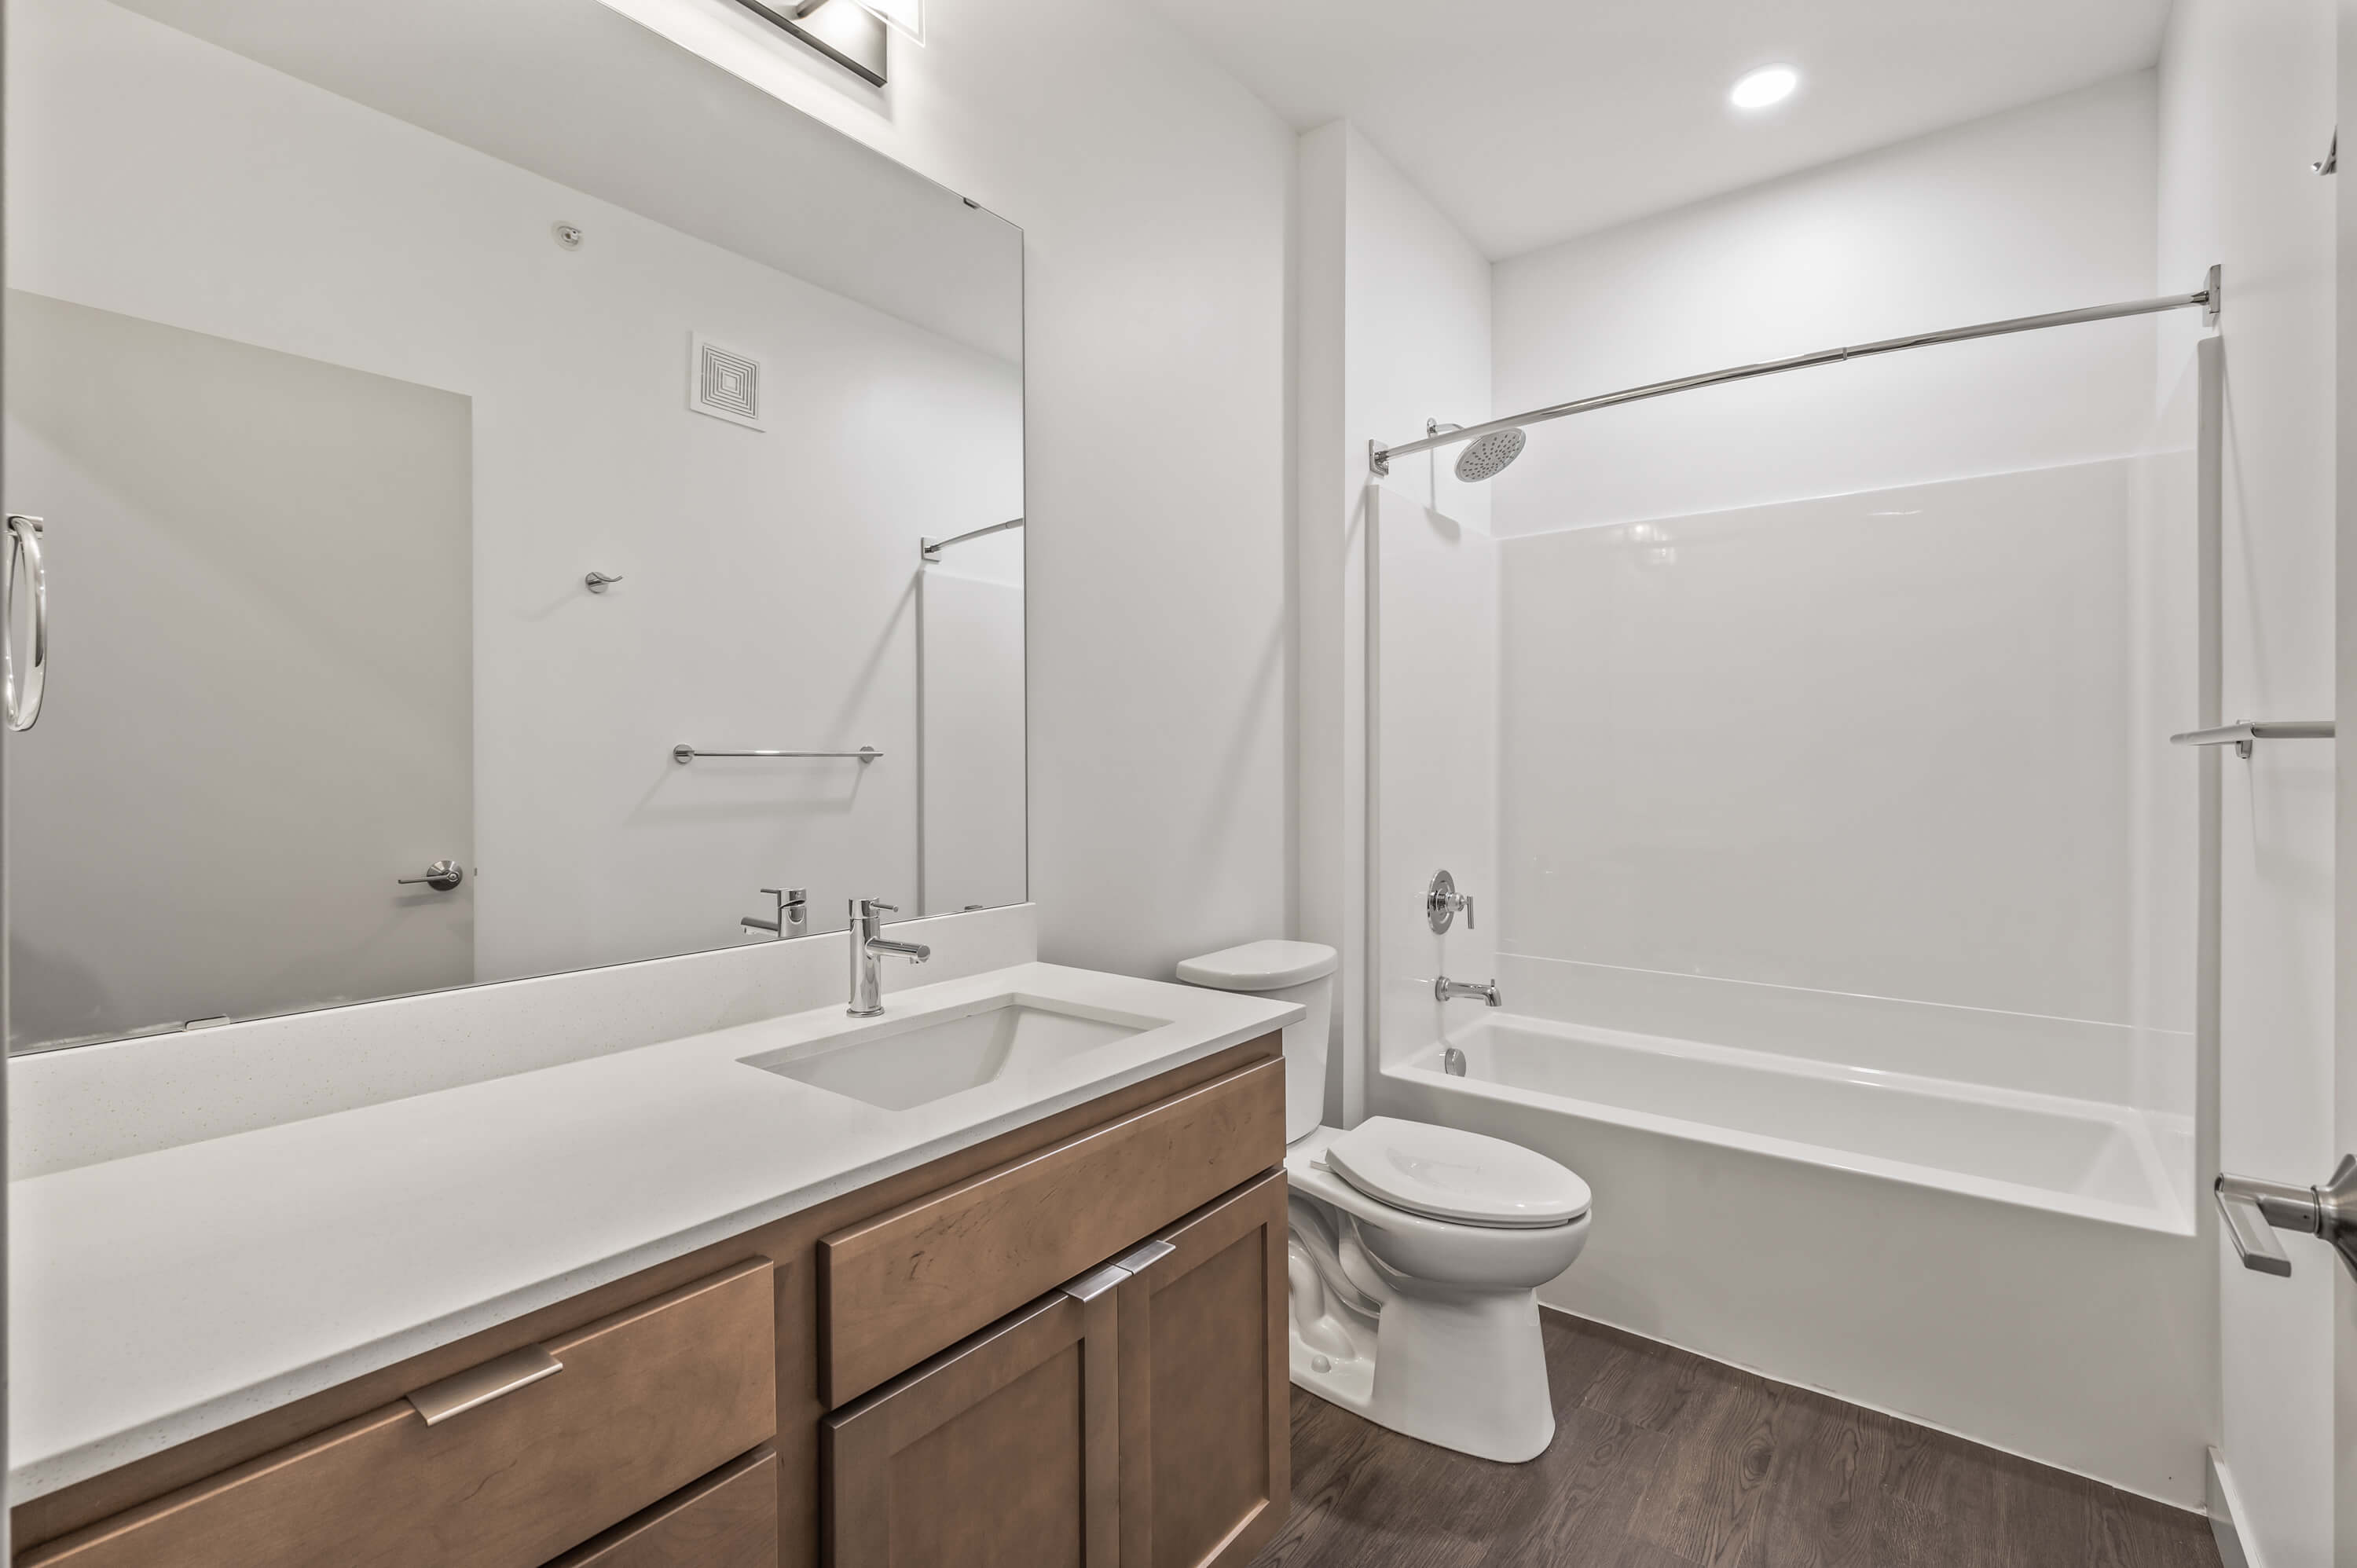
(683,755)
(22,706)
(2241,734)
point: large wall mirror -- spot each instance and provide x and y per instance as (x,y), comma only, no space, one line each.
(345,344)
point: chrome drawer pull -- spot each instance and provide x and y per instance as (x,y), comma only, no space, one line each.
(438,1403)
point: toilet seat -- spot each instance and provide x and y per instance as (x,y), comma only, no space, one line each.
(1463,1179)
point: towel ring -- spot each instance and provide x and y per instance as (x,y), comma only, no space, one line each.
(22,706)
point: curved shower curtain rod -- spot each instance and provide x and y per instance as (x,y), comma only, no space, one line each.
(2209,296)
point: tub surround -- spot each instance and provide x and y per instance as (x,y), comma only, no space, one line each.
(166,1295)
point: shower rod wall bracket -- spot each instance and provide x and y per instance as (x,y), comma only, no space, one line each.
(2210,298)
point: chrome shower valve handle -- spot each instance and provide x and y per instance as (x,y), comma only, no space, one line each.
(1442,901)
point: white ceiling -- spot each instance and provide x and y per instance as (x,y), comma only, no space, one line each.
(1532,120)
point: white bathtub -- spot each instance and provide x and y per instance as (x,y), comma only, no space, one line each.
(2029,1270)
(2083,1158)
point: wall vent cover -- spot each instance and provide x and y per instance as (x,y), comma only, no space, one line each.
(724,383)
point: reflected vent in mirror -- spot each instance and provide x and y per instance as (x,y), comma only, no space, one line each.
(724,383)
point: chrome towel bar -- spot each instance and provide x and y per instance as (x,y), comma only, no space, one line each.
(2242,734)
(683,755)
(930,549)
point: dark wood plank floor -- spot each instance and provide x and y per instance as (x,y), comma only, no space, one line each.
(1663,1459)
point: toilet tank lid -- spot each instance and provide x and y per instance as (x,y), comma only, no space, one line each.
(1260,966)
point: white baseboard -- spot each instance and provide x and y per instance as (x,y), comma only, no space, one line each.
(2225,1504)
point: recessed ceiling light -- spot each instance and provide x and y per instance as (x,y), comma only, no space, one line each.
(1769,84)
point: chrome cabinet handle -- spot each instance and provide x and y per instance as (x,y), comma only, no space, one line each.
(442,876)
(477,1386)
(2253,1209)
(22,705)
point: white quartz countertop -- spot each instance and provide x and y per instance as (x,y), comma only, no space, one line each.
(155,1298)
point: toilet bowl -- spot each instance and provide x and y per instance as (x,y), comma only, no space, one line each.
(1416,1251)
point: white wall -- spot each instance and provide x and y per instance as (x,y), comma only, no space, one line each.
(1153,192)
(2044,209)
(2247,102)
(593,846)
(1395,329)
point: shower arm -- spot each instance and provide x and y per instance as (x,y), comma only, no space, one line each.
(2209,296)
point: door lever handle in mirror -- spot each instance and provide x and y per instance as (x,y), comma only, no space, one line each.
(442,876)
(2253,1209)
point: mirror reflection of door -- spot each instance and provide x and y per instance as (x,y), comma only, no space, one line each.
(261,581)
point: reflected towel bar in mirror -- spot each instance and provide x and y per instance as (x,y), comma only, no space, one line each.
(683,755)
(2242,734)
(930,549)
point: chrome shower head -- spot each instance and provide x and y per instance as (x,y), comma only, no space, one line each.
(1489,456)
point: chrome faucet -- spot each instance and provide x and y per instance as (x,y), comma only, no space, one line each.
(1447,990)
(867,946)
(791,917)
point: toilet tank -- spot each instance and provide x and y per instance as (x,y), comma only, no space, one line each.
(1283,971)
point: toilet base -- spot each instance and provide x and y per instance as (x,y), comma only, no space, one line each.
(1428,1329)
(1466,1372)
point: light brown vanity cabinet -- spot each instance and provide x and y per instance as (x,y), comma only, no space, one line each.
(1003,1452)
(518,1464)
(1206,1428)
(1137,1418)
(687,1425)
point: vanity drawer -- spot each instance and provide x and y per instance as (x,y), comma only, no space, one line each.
(728,1519)
(912,1281)
(647,1402)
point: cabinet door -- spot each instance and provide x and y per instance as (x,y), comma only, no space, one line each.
(1206,1467)
(1002,1452)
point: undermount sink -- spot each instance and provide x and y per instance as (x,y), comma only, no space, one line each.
(903,1063)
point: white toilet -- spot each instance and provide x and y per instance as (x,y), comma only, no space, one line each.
(1417,1252)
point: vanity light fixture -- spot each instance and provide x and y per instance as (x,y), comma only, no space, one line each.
(906,16)
(1771,85)
(851,33)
